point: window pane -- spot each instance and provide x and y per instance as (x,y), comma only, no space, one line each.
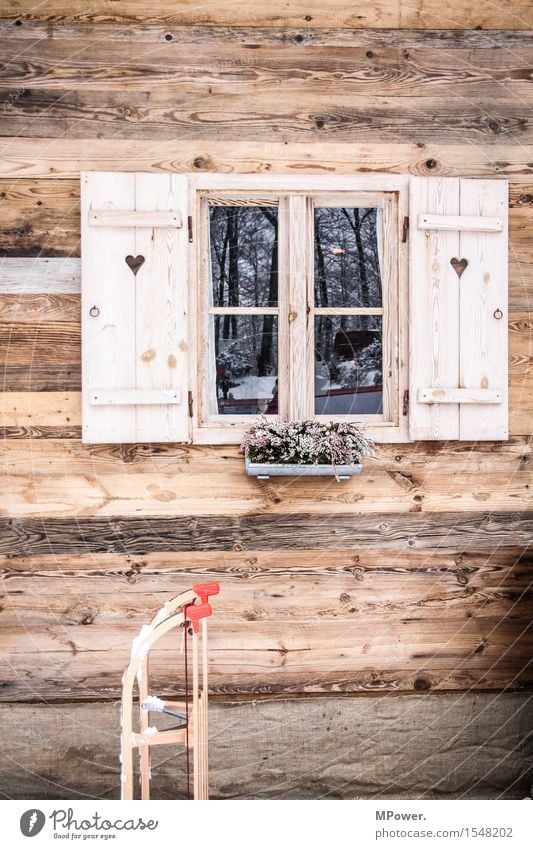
(245,375)
(348,365)
(347,264)
(244,255)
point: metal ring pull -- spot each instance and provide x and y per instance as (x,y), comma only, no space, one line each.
(498,314)
(94,311)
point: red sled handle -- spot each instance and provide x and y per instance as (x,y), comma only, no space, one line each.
(205,590)
(195,612)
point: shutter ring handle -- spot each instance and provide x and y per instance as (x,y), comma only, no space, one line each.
(498,314)
(94,311)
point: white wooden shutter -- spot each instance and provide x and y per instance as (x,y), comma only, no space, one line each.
(458,309)
(134,307)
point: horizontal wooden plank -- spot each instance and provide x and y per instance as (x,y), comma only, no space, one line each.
(301,35)
(104,572)
(228,68)
(40,432)
(440,395)
(467,223)
(44,307)
(54,377)
(36,158)
(61,479)
(515,14)
(138,535)
(348,642)
(408,465)
(42,342)
(137,218)
(36,409)
(42,275)
(274,658)
(129,397)
(47,603)
(305,116)
(39,218)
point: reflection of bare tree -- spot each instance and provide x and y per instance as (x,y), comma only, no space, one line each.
(356,225)
(244,268)
(219,248)
(230,321)
(265,358)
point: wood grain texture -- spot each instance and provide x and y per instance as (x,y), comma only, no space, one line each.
(315,118)
(42,275)
(58,479)
(484,350)
(65,158)
(39,218)
(302,36)
(484,654)
(515,14)
(231,69)
(446,619)
(263,531)
(417,575)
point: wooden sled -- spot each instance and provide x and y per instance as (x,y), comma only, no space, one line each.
(187,611)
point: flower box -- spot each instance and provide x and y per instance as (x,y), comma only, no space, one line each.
(263,471)
(305,448)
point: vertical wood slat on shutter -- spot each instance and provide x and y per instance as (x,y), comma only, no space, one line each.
(483,338)
(434,309)
(138,341)
(457,341)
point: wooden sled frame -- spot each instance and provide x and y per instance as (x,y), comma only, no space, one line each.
(188,610)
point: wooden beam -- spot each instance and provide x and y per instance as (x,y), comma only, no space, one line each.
(42,275)
(312,14)
(65,158)
(437,395)
(133,397)
(117,218)
(476,224)
(301,35)
(261,531)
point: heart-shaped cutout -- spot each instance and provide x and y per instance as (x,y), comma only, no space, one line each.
(458,265)
(135,262)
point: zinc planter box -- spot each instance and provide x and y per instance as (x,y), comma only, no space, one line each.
(263,471)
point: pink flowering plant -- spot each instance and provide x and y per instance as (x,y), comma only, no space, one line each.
(306,443)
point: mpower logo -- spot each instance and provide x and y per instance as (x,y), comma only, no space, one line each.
(32,822)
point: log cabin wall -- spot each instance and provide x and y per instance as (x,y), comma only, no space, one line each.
(414,578)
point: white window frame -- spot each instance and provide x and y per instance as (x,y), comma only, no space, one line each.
(391,193)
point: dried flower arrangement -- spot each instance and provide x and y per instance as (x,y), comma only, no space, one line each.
(307,443)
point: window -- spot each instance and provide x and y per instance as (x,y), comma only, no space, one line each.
(208,299)
(298,293)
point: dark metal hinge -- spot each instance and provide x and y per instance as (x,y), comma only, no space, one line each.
(190,400)
(405,409)
(189,224)
(405,228)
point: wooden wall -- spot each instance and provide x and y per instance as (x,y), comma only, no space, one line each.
(415,576)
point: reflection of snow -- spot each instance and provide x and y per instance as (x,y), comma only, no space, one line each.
(253,387)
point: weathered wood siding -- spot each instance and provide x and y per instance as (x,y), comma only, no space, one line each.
(415,576)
